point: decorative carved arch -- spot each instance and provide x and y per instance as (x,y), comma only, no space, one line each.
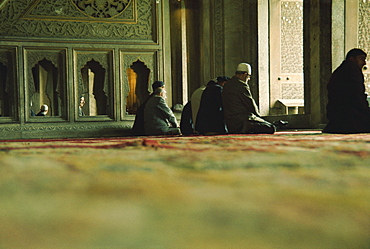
(33,58)
(128,59)
(139,92)
(102,59)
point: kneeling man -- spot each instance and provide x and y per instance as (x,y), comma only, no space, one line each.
(240,109)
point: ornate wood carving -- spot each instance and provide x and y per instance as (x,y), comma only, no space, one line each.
(219,36)
(101,8)
(32,59)
(363,35)
(2,3)
(60,128)
(63,19)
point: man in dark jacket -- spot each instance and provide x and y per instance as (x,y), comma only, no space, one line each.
(210,117)
(347,109)
(240,109)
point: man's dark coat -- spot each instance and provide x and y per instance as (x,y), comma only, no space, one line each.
(347,109)
(210,117)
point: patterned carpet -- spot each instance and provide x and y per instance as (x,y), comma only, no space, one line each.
(299,189)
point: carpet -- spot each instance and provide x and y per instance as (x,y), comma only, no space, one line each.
(292,189)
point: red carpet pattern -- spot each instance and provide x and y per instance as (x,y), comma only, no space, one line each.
(298,189)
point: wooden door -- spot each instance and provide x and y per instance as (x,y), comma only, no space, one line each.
(286,57)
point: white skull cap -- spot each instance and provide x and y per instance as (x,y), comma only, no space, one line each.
(244,67)
(44,107)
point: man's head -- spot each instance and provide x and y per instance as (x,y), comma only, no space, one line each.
(44,109)
(82,101)
(243,71)
(157,84)
(160,92)
(221,80)
(357,56)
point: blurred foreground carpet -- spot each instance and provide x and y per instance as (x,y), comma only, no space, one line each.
(287,190)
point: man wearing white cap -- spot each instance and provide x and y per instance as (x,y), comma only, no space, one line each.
(240,109)
(43,110)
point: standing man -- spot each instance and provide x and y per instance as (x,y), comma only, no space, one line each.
(240,109)
(347,109)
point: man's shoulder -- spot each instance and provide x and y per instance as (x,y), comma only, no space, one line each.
(345,71)
(234,84)
(214,88)
(199,90)
(346,66)
(153,100)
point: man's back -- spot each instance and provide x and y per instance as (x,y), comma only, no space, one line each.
(210,116)
(238,104)
(158,117)
(347,108)
(346,90)
(195,102)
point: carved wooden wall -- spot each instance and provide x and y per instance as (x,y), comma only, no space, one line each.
(69,34)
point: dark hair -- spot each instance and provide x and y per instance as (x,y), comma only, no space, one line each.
(355,52)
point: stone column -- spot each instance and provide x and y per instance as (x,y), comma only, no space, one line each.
(317,58)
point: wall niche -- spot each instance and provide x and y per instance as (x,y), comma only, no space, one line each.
(8,100)
(47,91)
(45,85)
(94,93)
(138,72)
(138,79)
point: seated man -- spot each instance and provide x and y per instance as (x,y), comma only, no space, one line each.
(138,127)
(210,117)
(347,109)
(158,117)
(43,110)
(240,109)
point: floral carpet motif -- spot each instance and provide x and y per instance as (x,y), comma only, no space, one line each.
(287,190)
